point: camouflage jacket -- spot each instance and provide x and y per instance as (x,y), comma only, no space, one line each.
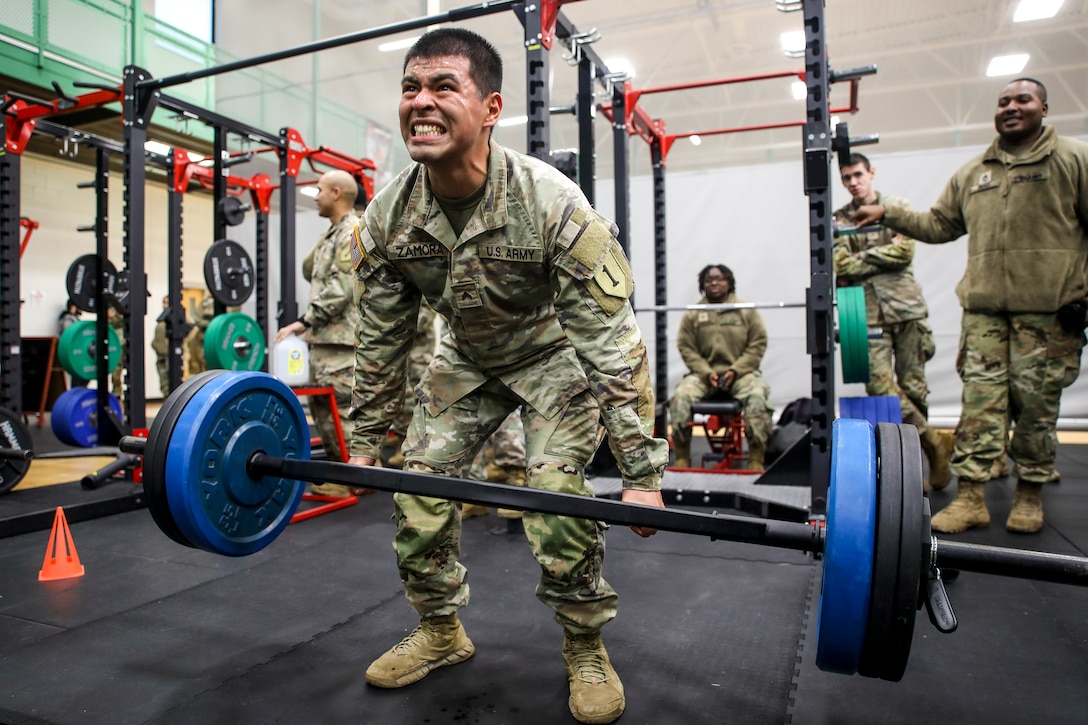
(722,340)
(1026,217)
(205,312)
(535,294)
(881,263)
(331,312)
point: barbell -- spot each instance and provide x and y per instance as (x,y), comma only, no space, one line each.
(227,456)
(852,333)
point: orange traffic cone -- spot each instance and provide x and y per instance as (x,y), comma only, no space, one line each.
(62,564)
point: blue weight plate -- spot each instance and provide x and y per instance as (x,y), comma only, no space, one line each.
(59,416)
(157,447)
(218,507)
(848,548)
(79,419)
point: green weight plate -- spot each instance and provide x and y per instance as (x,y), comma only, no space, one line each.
(15,440)
(853,334)
(77,347)
(843,614)
(889,504)
(234,341)
(213,499)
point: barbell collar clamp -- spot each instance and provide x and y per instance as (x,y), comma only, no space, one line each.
(16,454)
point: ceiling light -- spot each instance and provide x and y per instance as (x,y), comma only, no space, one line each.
(156,147)
(1006,65)
(695,140)
(402,44)
(513,121)
(620,65)
(793,43)
(1036,10)
(799,89)
(309,190)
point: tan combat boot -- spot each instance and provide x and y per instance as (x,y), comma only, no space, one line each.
(332,490)
(938,449)
(968,511)
(596,693)
(756,452)
(513,475)
(1026,516)
(436,642)
(682,454)
(396,460)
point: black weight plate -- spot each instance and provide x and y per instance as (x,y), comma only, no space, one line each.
(889,502)
(158,443)
(16,437)
(228,272)
(82,281)
(913,551)
(234,211)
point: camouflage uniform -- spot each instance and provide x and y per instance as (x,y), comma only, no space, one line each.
(418,359)
(720,341)
(160,344)
(880,262)
(535,291)
(331,319)
(117,322)
(205,312)
(1027,256)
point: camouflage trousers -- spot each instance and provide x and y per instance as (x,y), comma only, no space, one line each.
(197,363)
(897,367)
(505,448)
(1014,368)
(162,366)
(751,390)
(570,551)
(332,366)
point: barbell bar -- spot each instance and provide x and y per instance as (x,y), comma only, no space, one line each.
(227,455)
(853,334)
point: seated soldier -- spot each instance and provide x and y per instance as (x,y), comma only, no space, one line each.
(723,350)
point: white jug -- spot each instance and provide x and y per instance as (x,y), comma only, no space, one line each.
(291,361)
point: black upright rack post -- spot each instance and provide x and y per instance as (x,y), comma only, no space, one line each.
(537,97)
(11,359)
(622,165)
(137,106)
(816,142)
(175,315)
(107,432)
(661,287)
(586,113)
(288,305)
(261,263)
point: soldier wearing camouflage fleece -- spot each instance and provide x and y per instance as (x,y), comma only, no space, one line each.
(1024,205)
(331,317)
(534,288)
(881,263)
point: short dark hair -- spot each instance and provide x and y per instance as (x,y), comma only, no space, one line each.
(856,159)
(1038,84)
(485,63)
(726,272)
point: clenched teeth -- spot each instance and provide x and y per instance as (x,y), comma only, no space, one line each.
(426,130)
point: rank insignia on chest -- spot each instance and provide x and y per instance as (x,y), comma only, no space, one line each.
(702,316)
(984,178)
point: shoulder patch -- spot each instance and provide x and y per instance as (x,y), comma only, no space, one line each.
(612,285)
(592,244)
(356,250)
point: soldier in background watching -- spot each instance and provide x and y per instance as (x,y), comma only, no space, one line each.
(723,350)
(1024,205)
(331,317)
(880,263)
